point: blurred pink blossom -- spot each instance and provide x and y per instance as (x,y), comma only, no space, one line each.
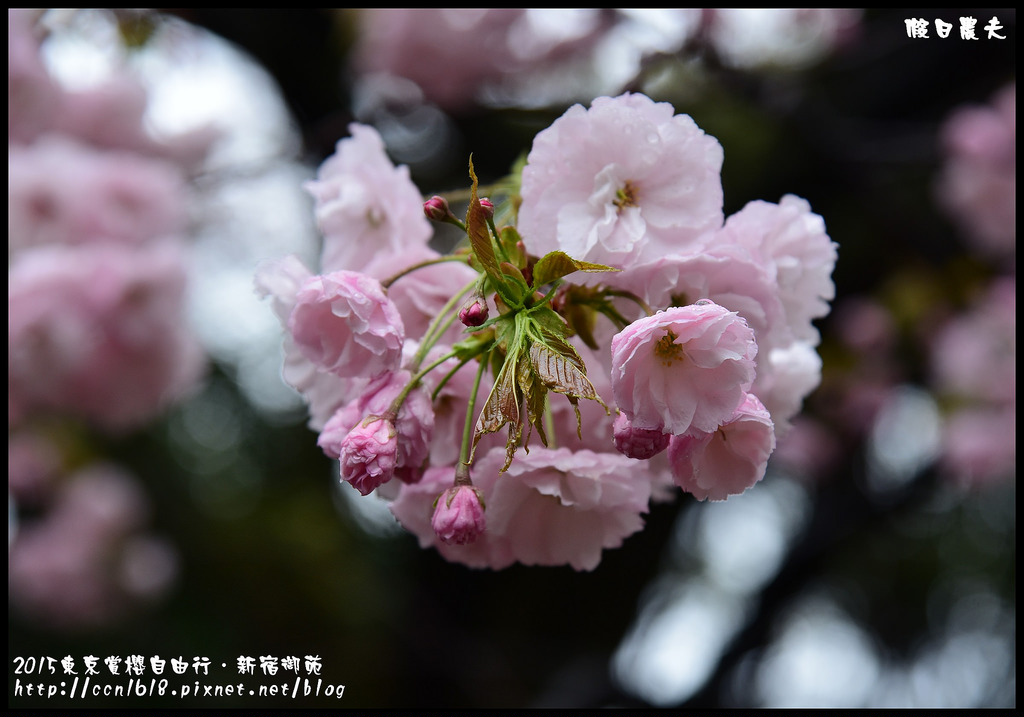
(63,192)
(32,95)
(452,54)
(979,445)
(97,332)
(978,183)
(78,566)
(974,356)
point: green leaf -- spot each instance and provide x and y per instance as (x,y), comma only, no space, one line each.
(556,264)
(513,272)
(564,373)
(536,400)
(483,248)
(510,243)
(476,228)
(503,404)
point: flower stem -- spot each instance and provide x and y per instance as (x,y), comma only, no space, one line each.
(429,262)
(396,405)
(632,297)
(467,430)
(439,324)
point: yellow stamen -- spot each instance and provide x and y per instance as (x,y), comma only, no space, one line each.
(625,197)
(667,349)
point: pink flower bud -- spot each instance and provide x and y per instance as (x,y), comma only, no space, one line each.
(459,515)
(436,208)
(639,443)
(488,206)
(474,314)
(368,454)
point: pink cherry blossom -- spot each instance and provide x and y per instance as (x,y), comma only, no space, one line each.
(281,279)
(621,183)
(791,243)
(459,515)
(366,205)
(551,507)
(685,367)
(722,271)
(554,507)
(345,324)
(324,392)
(785,377)
(638,443)
(727,460)
(414,509)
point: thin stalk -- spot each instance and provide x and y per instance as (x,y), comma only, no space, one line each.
(421,265)
(632,297)
(462,470)
(439,324)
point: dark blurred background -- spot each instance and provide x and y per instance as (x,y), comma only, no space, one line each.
(864,571)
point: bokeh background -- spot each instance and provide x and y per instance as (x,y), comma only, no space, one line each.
(874,566)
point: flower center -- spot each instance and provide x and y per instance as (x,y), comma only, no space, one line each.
(625,196)
(667,349)
(375,217)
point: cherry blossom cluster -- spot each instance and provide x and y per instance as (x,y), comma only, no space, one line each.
(97,259)
(601,313)
(98,211)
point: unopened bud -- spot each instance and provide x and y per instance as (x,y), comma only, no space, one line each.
(638,443)
(474,314)
(488,206)
(459,515)
(436,208)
